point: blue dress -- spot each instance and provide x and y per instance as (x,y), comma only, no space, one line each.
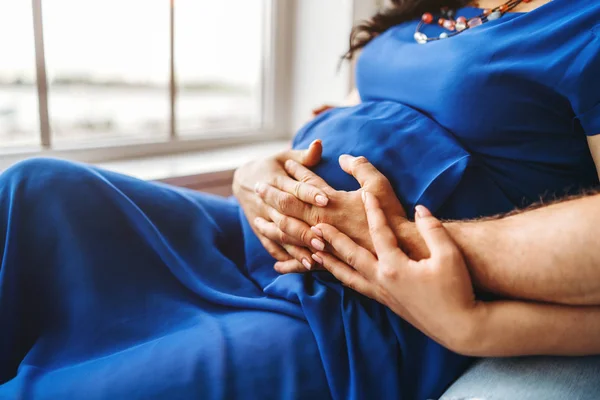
(115,288)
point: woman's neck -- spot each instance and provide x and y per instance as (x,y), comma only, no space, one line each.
(523,7)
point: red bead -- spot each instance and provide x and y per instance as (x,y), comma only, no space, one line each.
(427,18)
(441,21)
(503,8)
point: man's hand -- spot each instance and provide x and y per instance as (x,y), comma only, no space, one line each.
(271,171)
(434,294)
(293,214)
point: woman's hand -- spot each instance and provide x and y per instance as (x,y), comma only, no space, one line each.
(271,170)
(293,215)
(434,294)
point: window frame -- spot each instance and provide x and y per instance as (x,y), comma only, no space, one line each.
(274,100)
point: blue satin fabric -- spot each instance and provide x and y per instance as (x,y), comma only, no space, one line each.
(112,288)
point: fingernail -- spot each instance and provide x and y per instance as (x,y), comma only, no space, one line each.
(321,200)
(316,231)
(307,264)
(317,244)
(260,187)
(346,156)
(317,259)
(422,212)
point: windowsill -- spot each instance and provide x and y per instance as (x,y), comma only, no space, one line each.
(164,168)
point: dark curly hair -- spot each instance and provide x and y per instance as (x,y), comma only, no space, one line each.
(399,11)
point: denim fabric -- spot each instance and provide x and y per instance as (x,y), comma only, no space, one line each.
(529,378)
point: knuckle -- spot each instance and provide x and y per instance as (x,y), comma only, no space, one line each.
(351,258)
(284,238)
(388,272)
(315,217)
(351,283)
(297,189)
(283,223)
(359,161)
(285,202)
(304,236)
(381,185)
(305,178)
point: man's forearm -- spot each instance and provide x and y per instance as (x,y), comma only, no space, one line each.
(517,328)
(550,254)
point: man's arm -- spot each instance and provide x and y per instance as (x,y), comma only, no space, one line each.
(550,254)
(518,328)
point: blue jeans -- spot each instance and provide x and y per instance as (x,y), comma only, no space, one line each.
(529,378)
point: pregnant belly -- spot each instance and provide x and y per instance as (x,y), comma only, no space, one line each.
(423,161)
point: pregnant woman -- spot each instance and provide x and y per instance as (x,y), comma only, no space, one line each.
(112,288)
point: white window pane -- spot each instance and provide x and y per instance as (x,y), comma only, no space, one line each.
(19,113)
(218,55)
(108,69)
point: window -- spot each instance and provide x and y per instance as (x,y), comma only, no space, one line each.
(108,69)
(218,61)
(19,117)
(132,77)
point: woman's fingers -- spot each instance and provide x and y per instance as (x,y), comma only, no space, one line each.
(309,157)
(436,237)
(302,174)
(294,267)
(302,255)
(345,274)
(351,253)
(296,229)
(303,191)
(384,239)
(283,202)
(372,180)
(272,232)
(364,172)
(275,250)
(320,110)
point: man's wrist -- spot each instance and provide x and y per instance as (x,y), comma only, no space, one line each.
(409,239)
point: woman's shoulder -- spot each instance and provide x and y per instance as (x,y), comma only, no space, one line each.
(569,26)
(585,13)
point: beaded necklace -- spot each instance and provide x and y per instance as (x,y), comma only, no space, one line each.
(461,24)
